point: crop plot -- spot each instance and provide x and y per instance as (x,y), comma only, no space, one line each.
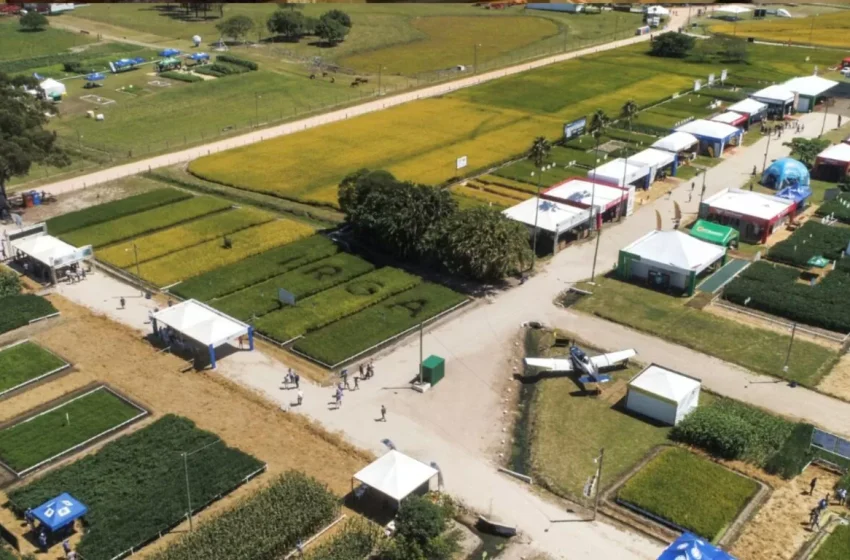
(97,100)
(24,363)
(159,83)
(45,436)
(20,310)
(812,240)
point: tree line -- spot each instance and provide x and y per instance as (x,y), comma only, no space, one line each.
(290,24)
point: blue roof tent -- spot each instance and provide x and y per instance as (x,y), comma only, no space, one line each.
(785,172)
(95,76)
(691,547)
(200,56)
(169,52)
(59,512)
(797,193)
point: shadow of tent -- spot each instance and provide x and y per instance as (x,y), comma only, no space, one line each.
(372,505)
(620,406)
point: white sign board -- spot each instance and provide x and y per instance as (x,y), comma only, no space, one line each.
(80,254)
(461,162)
(723,74)
(711,79)
(697,85)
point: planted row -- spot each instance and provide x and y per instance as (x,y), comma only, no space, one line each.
(334,304)
(23,362)
(252,270)
(814,239)
(302,282)
(150,220)
(19,310)
(113,210)
(135,487)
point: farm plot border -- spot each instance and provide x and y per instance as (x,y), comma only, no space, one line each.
(22,386)
(60,402)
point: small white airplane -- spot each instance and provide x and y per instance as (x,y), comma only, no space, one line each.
(588,367)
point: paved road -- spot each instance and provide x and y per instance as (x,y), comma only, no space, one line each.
(259,135)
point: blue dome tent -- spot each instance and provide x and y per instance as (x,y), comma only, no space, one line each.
(785,172)
(691,547)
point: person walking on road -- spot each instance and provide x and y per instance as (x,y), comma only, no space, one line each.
(383,413)
(356,383)
(296,379)
(814,519)
(812,486)
(300,396)
(123,303)
(842,496)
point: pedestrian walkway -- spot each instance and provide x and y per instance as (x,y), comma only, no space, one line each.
(723,276)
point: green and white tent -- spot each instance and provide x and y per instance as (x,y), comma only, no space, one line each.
(714,233)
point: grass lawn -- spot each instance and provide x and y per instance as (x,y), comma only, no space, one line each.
(836,546)
(689,491)
(41,437)
(17,44)
(668,317)
(838,135)
(24,362)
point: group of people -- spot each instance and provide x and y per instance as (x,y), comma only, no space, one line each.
(778,129)
(43,539)
(76,273)
(815,513)
(366,371)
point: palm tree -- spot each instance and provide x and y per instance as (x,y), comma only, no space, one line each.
(598,122)
(539,151)
(629,112)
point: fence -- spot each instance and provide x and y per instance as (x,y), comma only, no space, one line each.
(834,446)
(815,333)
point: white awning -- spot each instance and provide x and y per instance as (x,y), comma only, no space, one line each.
(653,157)
(748,107)
(677,250)
(810,86)
(617,170)
(582,192)
(838,152)
(774,94)
(657,11)
(737,10)
(729,117)
(551,216)
(677,142)
(749,203)
(709,129)
(201,323)
(48,250)
(667,384)
(396,475)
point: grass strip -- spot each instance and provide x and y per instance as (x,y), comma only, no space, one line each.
(24,362)
(836,546)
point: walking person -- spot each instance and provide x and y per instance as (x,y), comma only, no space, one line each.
(812,486)
(383,413)
(66,548)
(338,399)
(123,303)
(356,383)
(814,519)
(842,496)
(42,540)
(300,396)
(823,503)
(297,379)
(344,375)
(361,369)
(347,385)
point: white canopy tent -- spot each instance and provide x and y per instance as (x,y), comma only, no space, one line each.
(621,172)
(836,152)
(729,117)
(657,11)
(655,159)
(52,88)
(47,251)
(663,394)
(395,475)
(677,142)
(776,94)
(552,216)
(584,193)
(749,107)
(714,135)
(734,10)
(808,90)
(203,324)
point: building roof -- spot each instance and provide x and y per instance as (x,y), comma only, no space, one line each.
(201,323)
(732,9)
(676,142)
(618,169)
(837,152)
(676,249)
(653,157)
(730,117)
(779,94)
(713,233)
(551,216)
(748,107)
(810,86)
(665,383)
(45,248)
(749,203)
(60,511)
(580,192)
(395,475)
(709,129)
(657,11)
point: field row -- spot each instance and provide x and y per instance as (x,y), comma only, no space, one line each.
(24,363)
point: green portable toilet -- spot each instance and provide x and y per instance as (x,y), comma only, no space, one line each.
(433,369)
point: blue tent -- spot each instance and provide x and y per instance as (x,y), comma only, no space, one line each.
(169,52)
(785,172)
(59,512)
(692,547)
(95,76)
(200,56)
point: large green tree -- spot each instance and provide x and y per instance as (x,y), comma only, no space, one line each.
(421,533)
(480,243)
(289,24)
(672,45)
(23,138)
(236,27)
(33,21)
(331,30)
(807,149)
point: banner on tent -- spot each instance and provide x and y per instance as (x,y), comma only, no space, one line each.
(723,74)
(711,79)
(697,85)
(575,128)
(832,443)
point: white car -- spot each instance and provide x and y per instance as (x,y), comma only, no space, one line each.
(845,71)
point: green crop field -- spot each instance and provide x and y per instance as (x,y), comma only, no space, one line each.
(150,220)
(19,310)
(302,282)
(135,487)
(18,44)
(332,305)
(689,491)
(24,362)
(836,546)
(665,316)
(831,29)
(49,434)
(356,333)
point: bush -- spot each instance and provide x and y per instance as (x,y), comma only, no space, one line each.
(181,76)
(20,309)
(672,45)
(135,486)
(355,542)
(794,455)
(10,284)
(249,64)
(421,532)
(264,526)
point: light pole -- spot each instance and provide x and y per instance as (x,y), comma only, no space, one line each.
(380,71)
(136,256)
(702,192)
(598,481)
(825,113)
(536,215)
(766,150)
(593,216)
(188,492)
(790,344)
(475,58)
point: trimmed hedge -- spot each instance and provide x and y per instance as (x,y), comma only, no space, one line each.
(813,239)
(181,76)
(113,210)
(19,310)
(794,455)
(249,64)
(835,208)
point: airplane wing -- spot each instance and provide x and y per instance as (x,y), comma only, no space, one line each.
(551,364)
(611,359)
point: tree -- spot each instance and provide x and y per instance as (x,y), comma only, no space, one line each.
(339,16)
(289,24)
(33,21)
(734,50)
(421,533)
(10,285)
(672,45)
(598,123)
(629,111)
(480,243)
(539,151)
(331,30)
(23,139)
(236,27)
(807,149)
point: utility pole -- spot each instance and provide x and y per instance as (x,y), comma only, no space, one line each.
(766,150)
(825,113)
(790,343)
(421,366)
(188,492)
(598,482)
(536,214)
(593,218)
(136,255)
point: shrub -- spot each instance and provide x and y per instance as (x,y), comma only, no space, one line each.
(181,76)
(249,64)
(794,455)
(672,45)
(112,210)
(264,526)
(836,208)
(10,284)
(209,71)
(135,486)
(421,532)
(20,309)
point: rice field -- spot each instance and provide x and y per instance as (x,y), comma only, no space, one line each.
(828,30)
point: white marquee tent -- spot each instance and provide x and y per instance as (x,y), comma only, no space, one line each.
(622,173)
(50,252)
(203,324)
(657,11)
(677,142)
(663,394)
(395,475)
(584,193)
(809,90)
(735,10)
(773,93)
(749,107)
(52,88)
(552,216)
(653,158)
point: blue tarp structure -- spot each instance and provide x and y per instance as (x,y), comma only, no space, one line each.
(169,52)
(797,193)
(691,547)
(785,172)
(59,512)
(200,56)
(95,76)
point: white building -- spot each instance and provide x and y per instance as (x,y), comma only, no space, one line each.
(663,394)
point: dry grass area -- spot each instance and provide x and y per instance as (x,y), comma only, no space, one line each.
(837,383)
(103,350)
(780,527)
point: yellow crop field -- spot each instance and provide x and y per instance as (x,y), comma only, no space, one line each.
(830,30)
(179,237)
(207,256)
